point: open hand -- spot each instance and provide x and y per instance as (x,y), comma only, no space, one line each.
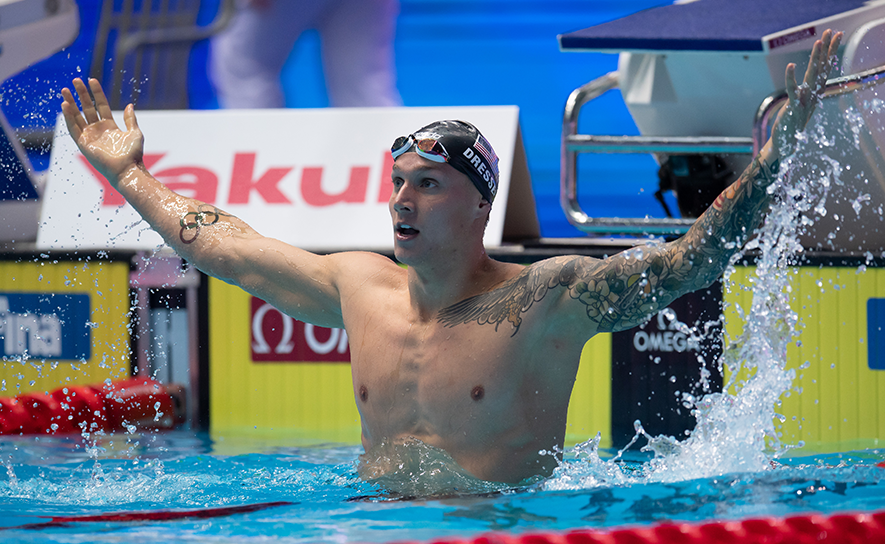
(803,99)
(110,150)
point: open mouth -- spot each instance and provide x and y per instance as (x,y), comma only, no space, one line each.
(404,230)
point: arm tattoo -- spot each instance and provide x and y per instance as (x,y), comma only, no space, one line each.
(191,222)
(626,289)
(612,291)
(722,230)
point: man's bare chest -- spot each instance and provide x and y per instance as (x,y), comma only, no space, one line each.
(423,378)
(428,357)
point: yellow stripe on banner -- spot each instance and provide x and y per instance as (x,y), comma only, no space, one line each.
(737,300)
(589,409)
(840,400)
(830,356)
(107,285)
(852,325)
(269,400)
(808,379)
(869,382)
(806,297)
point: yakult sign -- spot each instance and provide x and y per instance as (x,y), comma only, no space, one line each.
(317,179)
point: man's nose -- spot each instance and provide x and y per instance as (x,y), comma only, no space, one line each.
(402,199)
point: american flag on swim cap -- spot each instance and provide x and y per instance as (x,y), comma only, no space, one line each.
(485,149)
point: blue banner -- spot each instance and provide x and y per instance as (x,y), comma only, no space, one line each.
(875,333)
(45,326)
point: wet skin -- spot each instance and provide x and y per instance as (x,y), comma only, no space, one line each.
(490,398)
(460,351)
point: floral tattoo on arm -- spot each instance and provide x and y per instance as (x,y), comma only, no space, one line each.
(625,290)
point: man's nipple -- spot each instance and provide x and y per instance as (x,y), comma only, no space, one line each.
(478,393)
(364,393)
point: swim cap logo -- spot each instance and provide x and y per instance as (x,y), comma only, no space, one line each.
(489,174)
(427,136)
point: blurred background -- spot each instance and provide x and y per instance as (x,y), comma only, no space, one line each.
(447,53)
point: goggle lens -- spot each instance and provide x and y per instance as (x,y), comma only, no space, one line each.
(400,146)
(428,148)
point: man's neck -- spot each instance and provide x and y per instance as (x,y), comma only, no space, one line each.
(438,285)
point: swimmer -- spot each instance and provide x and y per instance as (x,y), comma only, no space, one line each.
(466,354)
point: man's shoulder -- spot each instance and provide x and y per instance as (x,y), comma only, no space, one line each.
(559,270)
(362,257)
(526,288)
(562,269)
(359,266)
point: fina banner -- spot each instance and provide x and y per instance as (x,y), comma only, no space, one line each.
(316,179)
(44,326)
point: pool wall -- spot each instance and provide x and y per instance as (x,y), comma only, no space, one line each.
(838,358)
(268,399)
(841,384)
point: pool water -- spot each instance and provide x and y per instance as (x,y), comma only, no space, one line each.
(56,476)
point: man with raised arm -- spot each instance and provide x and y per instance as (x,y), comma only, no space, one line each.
(462,352)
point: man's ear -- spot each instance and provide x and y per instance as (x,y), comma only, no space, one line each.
(484,206)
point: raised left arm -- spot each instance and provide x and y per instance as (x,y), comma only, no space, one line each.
(726,225)
(624,290)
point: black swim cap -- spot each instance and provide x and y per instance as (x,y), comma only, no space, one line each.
(463,147)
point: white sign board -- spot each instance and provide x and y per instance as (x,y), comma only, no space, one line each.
(316,179)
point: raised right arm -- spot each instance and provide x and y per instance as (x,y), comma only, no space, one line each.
(297,282)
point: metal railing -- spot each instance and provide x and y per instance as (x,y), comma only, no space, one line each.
(574,143)
(151,43)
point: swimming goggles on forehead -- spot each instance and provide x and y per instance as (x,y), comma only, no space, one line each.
(428,148)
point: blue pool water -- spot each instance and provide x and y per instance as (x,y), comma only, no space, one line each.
(182,471)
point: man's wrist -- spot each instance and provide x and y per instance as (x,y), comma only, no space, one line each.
(768,164)
(129,176)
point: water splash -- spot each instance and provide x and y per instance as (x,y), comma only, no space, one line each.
(736,430)
(411,468)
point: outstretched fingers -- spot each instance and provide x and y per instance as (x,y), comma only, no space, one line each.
(129,118)
(101,101)
(823,61)
(803,98)
(814,67)
(831,55)
(94,105)
(75,122)
(792,85)
(823,58)
(86,103)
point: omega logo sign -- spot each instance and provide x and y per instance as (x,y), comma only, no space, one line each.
(277,337)
(667,338)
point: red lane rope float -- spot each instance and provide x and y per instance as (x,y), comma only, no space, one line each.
(114,406)
(865,528)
